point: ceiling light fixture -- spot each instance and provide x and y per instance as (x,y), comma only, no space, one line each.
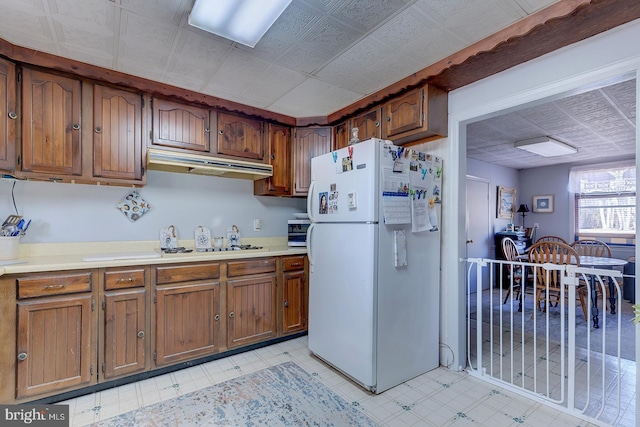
(242,21)
(546,147)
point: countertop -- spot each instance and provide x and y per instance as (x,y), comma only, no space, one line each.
(35,258)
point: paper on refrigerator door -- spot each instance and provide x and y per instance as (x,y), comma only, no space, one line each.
(395,196)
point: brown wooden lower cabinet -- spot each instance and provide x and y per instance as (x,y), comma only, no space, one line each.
(251,306)
(124,332)
(172,313)
(54,350)
(187,321)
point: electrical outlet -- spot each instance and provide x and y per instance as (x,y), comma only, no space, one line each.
(536,225)
(257,225)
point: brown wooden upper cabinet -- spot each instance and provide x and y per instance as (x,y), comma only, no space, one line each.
(51,112)
(308,143)
(420,113)
(240,136)
(180,125)
(368,125)
(341,135)
(117,134)
(279,156)
(8,115)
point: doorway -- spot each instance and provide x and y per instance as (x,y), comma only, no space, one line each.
(478,226)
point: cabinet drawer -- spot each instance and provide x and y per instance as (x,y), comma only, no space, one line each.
(257,266)
(293,263)
(31,287)
(186,273)
(124,279)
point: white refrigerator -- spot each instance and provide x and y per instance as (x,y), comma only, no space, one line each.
(374,254)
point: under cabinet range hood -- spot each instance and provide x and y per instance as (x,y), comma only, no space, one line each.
(170,161)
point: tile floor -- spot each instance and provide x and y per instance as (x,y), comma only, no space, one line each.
(438,398)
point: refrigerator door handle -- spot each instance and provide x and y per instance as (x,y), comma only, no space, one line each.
(309,254)
(309,200)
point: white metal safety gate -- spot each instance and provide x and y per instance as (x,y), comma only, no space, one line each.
(552,354)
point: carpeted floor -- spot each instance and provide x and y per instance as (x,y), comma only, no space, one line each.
(282,395)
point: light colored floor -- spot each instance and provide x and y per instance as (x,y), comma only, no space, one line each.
(438,398)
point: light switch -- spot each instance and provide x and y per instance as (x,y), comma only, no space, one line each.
(351,200)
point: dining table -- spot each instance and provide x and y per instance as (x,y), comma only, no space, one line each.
(594,262)
(605,263)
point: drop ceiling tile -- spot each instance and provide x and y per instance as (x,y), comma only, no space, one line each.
(169,11)
(143,41)
(368,14)
(314,98)
(532,6)
(473,20)
(25,23)
(89,15)
(303,60)
(329,36)
(239,70)
(281,80)
(195,59)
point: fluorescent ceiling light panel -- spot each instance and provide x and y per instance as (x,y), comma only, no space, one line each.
(546,147)
(242,21)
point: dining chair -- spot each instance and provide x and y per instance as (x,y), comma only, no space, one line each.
(593,247)
(510,252)
(550,238)
(554,253)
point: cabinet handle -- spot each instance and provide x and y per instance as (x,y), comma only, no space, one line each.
(55,286)
(296,264)
(273,157)
(76,126)
(221,132)
(207,130)
(22,356)
(231,315)
(140,334)
(388,119)
(286,303)
(377,124)
(13,115)
(216,317)
(98,130)
(130,279)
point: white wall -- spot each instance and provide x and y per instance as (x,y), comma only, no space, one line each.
(80,213)
(606,55)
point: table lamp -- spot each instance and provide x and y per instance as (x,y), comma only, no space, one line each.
(523,209)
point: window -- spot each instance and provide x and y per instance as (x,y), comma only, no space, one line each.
(605,201)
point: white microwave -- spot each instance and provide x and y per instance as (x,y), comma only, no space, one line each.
(297,232)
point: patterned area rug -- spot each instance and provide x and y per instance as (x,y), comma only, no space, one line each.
(282,395)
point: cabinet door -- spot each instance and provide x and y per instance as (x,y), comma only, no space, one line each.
(279,156)
(404,113)
(240,136)
(51,107)
(251,304)
(8,115)
(187,321)
(117,134)
(181,125)
(341,135)
(308,143)
(124,332)
(368,125)
(294,317)
(54,344)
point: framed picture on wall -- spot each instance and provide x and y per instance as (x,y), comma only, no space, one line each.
(505,203)
(543,203)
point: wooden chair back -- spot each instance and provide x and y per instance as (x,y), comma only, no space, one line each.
(509,249)
(592,247)
(552,239)
(554,253)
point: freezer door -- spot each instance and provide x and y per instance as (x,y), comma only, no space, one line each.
(341,297)
(344,184)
